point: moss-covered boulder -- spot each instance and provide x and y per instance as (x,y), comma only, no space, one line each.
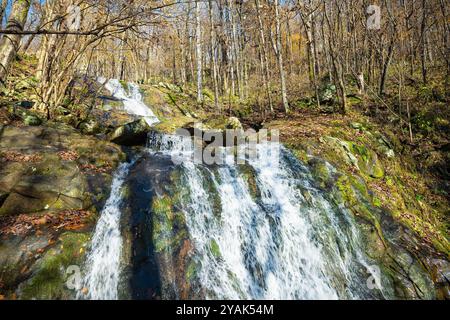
(49,275)
(52,180)
(131,134)
(45,168)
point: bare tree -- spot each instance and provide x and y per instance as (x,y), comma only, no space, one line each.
(279,54)
(9,44)
(199,53)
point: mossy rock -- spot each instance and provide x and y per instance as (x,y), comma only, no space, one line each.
(368,161)
(131,134)
(248,174)
(215,249)
(322,172)
(90,126)
(49,279)
(31,120)
(192,271)
(169,225)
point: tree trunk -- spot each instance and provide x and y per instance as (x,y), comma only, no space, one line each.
(386,64)
(212,39)
(423,36)
(199,54)
(279,54)
(264,60)
(3,4)
(9,44)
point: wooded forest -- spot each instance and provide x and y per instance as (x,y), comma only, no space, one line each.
(271,52)
(92,93)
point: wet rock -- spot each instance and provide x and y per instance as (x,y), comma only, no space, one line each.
(131,134)
(154,192)
(248,174)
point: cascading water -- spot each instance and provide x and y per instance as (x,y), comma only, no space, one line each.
(132,100)
(287,243)
(102,277)
(273,237)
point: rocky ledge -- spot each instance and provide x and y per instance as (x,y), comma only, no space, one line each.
(53,182)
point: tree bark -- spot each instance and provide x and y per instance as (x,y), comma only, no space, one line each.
(212,39)
(264,60)
(3,4)
(199,54)
(9,44)
(279,54)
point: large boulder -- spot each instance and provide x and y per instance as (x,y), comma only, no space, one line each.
(155,234)
(131,134)
(53,180)
(45,168)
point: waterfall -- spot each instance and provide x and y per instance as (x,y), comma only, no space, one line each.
(259,230)
(132,100)
(102,276)
(288,243)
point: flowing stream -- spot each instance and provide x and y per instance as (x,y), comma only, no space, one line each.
(273,237)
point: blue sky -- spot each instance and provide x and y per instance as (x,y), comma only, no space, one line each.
(8,9)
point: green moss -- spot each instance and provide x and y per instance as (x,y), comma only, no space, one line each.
(321,172)
(124,84)
(357,202)
(49,280)
(301,154)
(248,174)
(360,150)
(376,202)
(171,124)
(191,271)
(169,225)
(163,206)
(215,250)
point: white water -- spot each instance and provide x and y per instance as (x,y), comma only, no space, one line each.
(132,100)
(102,277)
(288,243)
(280,247)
